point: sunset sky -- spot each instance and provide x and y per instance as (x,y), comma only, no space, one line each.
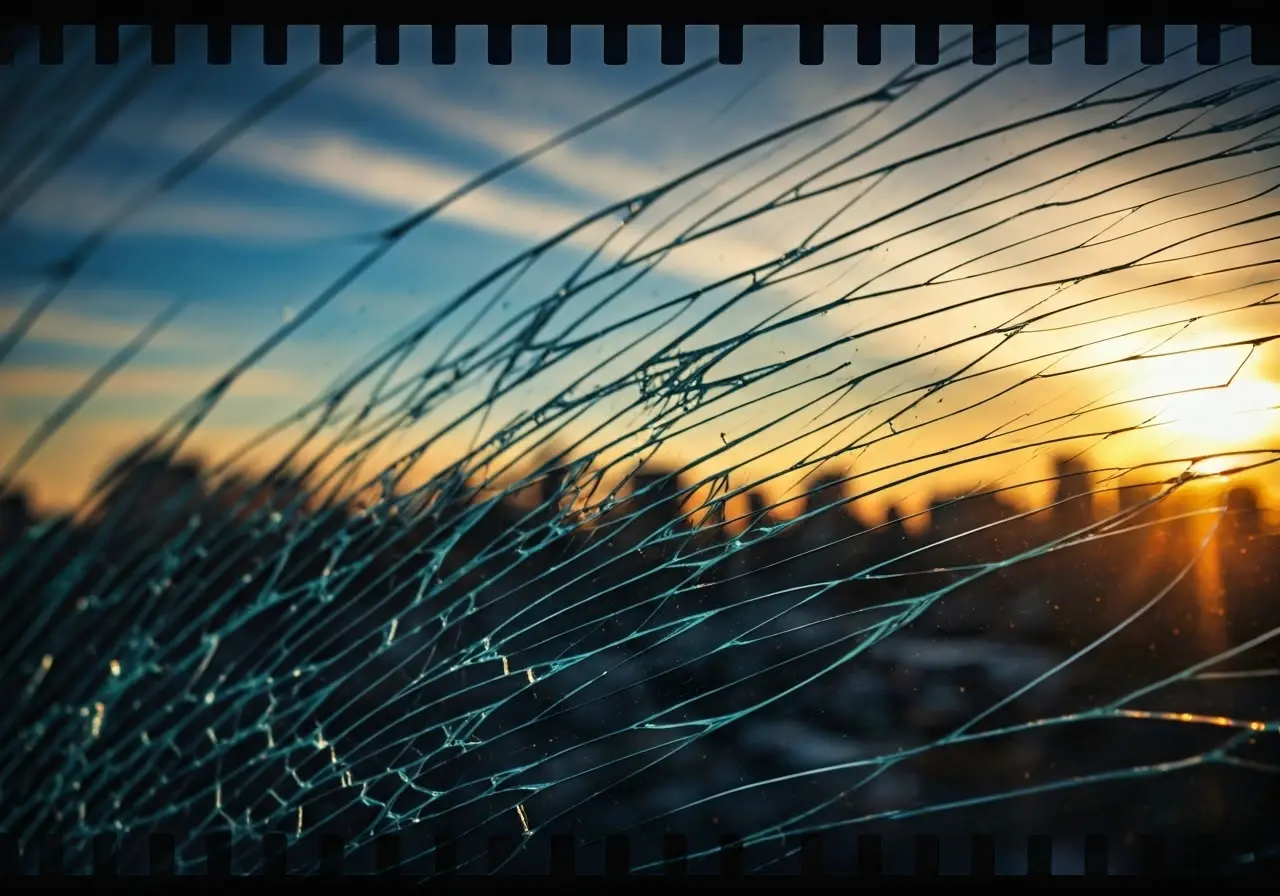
(254,235)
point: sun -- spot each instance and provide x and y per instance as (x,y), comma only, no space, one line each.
(1232,417)
(1208,402)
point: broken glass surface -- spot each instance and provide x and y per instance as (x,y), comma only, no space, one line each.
(900,466)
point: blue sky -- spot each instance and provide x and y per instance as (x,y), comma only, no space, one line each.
(274,217)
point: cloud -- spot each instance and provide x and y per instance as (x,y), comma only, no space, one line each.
(601,172)
(108,318)
(85,330)
(369,172)
(366,171)
(509,131)
(152,382)
(80,203)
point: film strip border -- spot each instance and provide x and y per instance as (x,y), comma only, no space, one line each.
(334,43)
(831,855)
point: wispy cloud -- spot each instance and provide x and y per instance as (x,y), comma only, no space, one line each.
(80,203)
(108,318)
(145,382)
(86,330)
(604,174)
(370,172)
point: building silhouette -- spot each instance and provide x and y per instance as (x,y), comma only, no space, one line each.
(1249,564)
(1072,501)
(828,533)
(15,517)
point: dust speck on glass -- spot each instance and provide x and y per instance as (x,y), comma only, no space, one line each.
(764,449)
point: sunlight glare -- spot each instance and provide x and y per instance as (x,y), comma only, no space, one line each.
(1225,418)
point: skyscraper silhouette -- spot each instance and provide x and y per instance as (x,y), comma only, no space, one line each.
(1072,500)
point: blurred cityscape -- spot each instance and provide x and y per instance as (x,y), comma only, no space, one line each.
(598,648)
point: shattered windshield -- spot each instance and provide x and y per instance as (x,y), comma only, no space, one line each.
(509,456)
